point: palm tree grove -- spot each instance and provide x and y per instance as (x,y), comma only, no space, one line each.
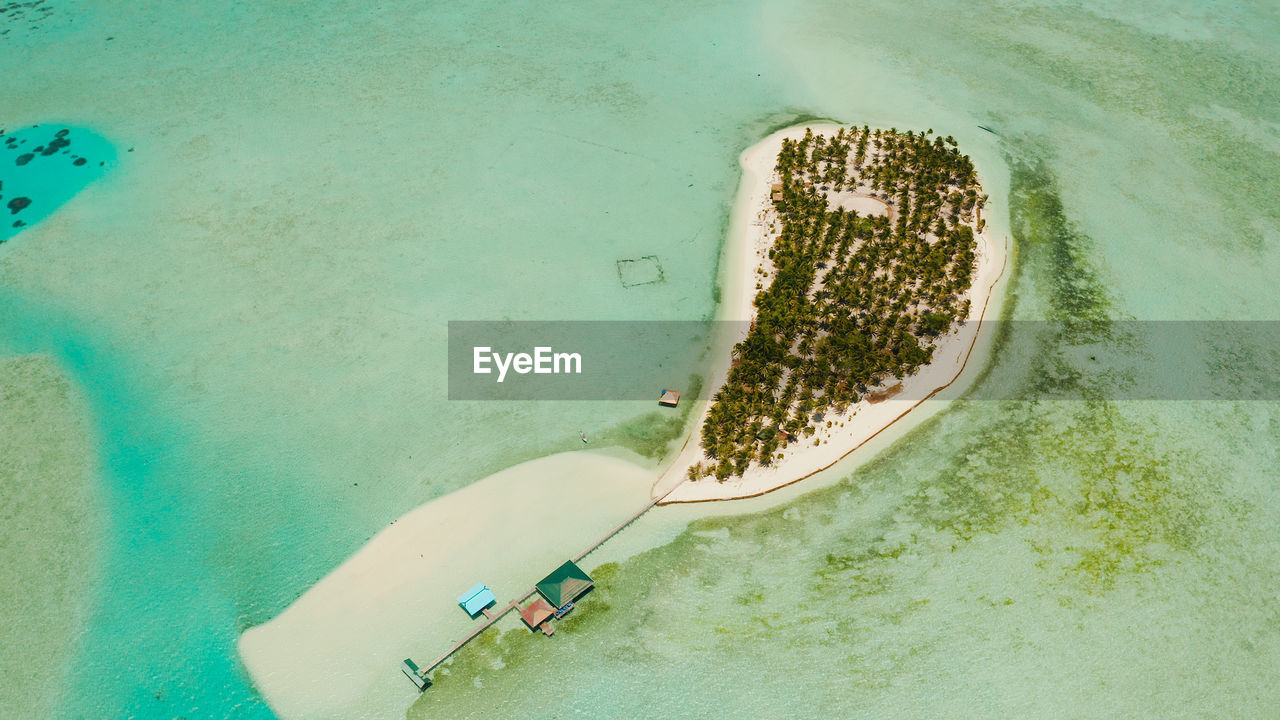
(847,302)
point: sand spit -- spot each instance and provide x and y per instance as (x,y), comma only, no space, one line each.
(335,652)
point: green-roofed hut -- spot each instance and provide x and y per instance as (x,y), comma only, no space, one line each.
(414,673)
(565,585)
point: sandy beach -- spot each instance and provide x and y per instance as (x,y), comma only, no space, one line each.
(751,231)
(335,652)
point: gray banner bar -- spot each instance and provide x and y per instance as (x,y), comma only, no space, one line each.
(637,360)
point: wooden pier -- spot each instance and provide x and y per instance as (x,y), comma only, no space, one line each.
(492,617)
(495,615)
(615,531)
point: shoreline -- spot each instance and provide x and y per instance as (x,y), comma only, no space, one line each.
(391,599)
(334,652)
(745,256)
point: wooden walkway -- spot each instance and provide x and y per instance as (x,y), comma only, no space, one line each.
(493,617)
(615,531)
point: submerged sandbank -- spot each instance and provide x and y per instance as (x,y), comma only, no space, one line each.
(51,534)
(335,652)
(751,233)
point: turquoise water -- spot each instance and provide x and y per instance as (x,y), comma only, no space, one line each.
(43,167)
(255,299)
(253,303)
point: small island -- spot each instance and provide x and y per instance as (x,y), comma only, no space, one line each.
(860,261)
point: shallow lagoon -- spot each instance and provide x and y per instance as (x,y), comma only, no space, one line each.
(43,167)
(268,276)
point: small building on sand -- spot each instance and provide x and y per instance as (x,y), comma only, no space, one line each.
(565,585)
(477,599)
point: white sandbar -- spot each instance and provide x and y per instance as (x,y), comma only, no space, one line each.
(336,651)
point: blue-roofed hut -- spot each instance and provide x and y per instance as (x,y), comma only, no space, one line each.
(477,599)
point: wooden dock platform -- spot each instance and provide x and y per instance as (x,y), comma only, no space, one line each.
(491,618)
(495,615)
